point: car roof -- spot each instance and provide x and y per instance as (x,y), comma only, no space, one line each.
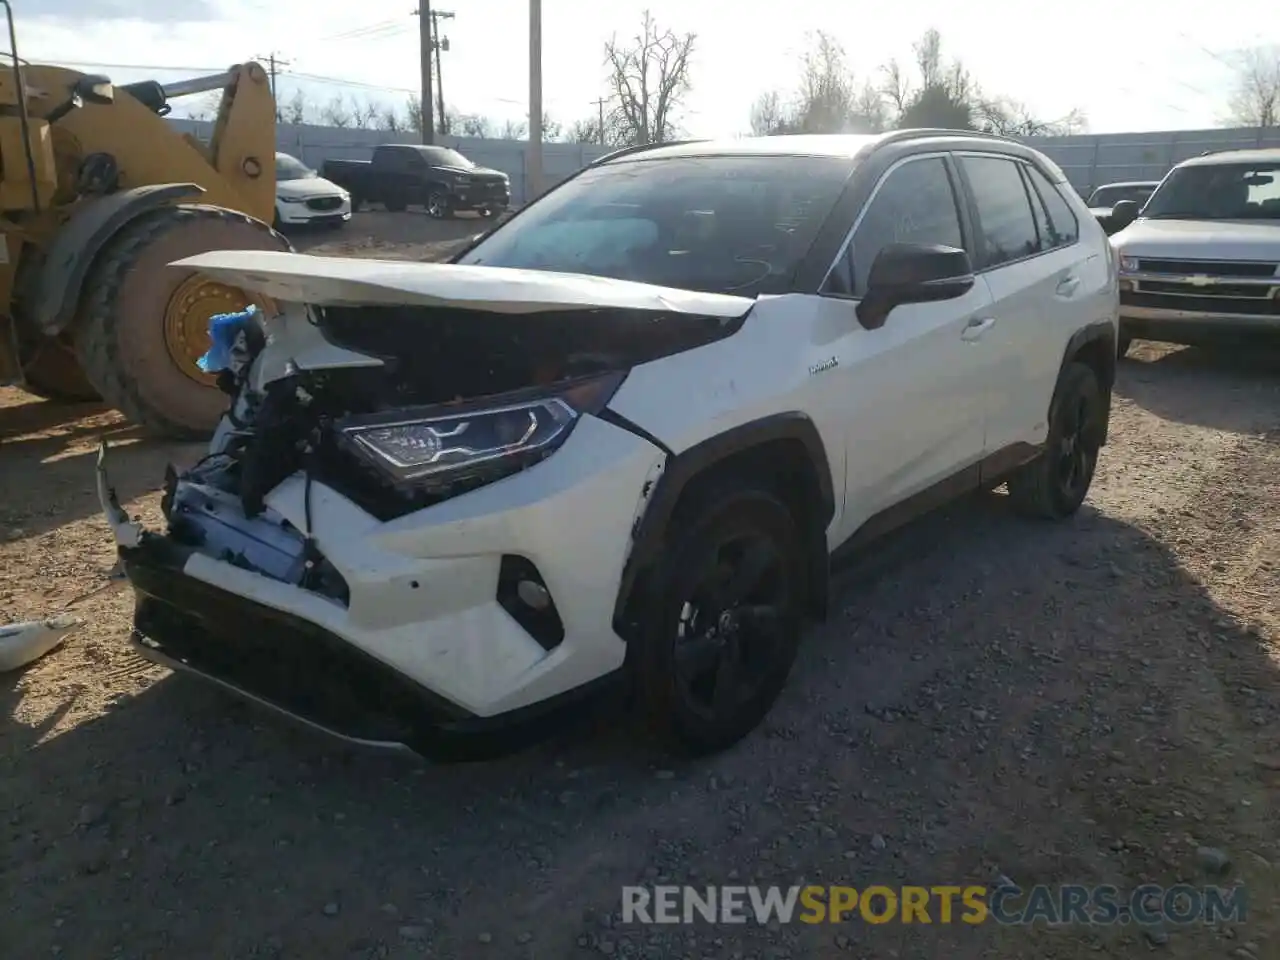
(1271,155)
(836,145)
(1127,183)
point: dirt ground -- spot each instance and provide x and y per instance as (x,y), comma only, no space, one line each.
(1086,703)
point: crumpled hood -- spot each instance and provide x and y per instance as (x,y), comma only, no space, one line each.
(336,281)
(307,188)
(1200,240)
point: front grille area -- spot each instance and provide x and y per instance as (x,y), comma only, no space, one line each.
(1242,291)
(324,203)
(1265,307)
(1209,268)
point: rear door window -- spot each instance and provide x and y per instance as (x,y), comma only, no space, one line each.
(1006,225)
(1063,229)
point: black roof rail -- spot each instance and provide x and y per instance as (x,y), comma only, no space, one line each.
(639,148)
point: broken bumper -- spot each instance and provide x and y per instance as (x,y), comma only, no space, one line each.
(424,655)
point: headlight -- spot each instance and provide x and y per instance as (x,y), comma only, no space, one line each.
(440,446)
(1128,264)
(292,199)
(462,180)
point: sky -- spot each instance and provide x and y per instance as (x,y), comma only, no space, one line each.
(1129,67)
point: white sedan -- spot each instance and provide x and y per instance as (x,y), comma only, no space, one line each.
(303,197)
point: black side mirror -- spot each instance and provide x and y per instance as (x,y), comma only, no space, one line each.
(905,273)
(1123,214)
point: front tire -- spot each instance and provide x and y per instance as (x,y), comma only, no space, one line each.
(143,324)
(724,623)
(1054,485)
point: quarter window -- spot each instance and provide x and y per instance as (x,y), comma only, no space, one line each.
(1063,227)
(915,204)
(1005,223)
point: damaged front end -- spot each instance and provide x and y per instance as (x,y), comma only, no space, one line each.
(392,407)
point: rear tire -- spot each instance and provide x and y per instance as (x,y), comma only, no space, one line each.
(120,338)
(53,373)
(1054,485)
(724,620)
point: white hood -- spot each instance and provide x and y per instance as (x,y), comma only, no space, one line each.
(335,281)
(1200,240)
(307,188)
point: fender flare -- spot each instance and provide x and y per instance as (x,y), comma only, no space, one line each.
(76,246)
(1101,331)
(681,469)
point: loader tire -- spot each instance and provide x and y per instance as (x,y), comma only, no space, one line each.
(143,324)
(53,373)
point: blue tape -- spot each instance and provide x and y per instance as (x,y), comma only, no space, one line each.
(223,330)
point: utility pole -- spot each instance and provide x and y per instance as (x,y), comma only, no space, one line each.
(533,168)
(600,102)
(274,66)
(423,13)
(440,46)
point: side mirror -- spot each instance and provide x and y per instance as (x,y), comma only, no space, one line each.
(1124,213)
(905,273)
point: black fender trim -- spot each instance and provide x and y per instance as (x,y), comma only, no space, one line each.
(649,536)
(1101,332)
(75,247)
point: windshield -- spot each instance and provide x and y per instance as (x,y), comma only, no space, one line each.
(445,157)
(1110,196)
(1222,191)
(291,168)
(714,224)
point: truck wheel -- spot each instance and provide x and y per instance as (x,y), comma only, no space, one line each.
(719,639)
(143,324)
(52,372)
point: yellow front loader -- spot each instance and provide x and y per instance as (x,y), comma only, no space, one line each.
(98,194)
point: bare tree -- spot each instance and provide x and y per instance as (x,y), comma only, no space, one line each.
(513,130)
(336,113)
(1012,118)
(768,115)
(365,114)
(583,131)
(473,125)
(297,109)
(206,108)
(649,78)
(413,114)
(552,130)
(946,95)
(1255,93)
(391,120)
(829,98)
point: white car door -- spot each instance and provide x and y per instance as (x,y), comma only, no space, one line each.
(1038,276)
(914,389)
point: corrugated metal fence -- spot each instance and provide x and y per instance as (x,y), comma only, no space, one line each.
(1090,160)
(313,145)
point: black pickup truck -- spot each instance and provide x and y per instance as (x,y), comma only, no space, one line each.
(438,178)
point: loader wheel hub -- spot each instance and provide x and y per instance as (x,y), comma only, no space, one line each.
(186,321)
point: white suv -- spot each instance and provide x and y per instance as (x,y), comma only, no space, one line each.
(618,438)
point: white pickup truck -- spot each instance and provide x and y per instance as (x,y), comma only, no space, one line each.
(1200,261)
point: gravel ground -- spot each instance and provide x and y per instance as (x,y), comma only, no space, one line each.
(1086,703)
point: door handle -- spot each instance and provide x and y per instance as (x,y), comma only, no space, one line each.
(1068,286)
(976,328)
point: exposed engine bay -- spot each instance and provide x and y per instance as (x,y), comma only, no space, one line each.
(455,399)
